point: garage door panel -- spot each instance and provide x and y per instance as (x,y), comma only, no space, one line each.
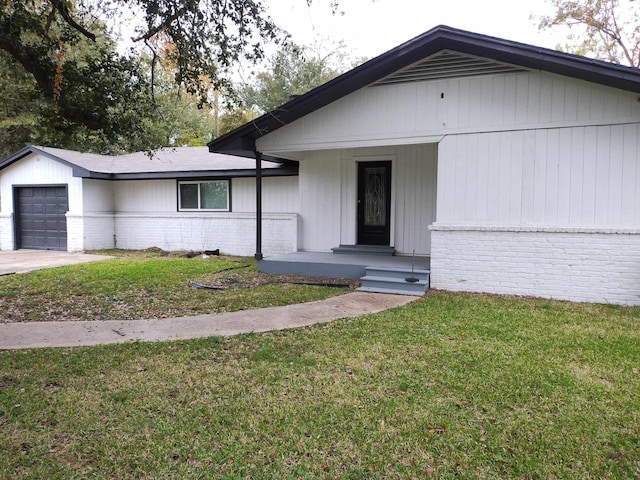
(40,217)
(51,207)
(40,241)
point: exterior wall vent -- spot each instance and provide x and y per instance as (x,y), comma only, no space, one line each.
(448,64)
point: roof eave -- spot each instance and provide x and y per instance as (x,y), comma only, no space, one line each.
(77,170)
(241,141)
(286,171)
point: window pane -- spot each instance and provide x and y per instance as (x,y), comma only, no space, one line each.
(189,195)
(213,195)
(375,213)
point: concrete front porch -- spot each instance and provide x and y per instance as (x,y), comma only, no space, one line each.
(325,264)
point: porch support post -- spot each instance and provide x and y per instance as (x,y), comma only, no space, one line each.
(258,255)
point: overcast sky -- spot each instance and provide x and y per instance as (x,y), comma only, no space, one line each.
(371,27)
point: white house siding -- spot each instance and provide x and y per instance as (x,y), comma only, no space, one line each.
(36,170)
(39,170)
(394,117)
(145,196)
(579,176)
(553,213)
(538,178)
(320,201)
(98,224)
(328,193)
(279,194)
(407,113)
(415,183)
(97,196)
(147,216)
(143,213)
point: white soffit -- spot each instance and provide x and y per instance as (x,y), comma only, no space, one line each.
(448,64)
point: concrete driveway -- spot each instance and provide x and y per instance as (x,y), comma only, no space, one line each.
(20,261)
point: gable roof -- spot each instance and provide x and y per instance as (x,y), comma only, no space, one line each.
(179,162)
(420,55)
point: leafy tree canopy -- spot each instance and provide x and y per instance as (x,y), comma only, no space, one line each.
(604,29)
(293,70)
(60,55)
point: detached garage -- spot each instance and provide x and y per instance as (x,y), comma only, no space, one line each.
(177,199)
(40,217)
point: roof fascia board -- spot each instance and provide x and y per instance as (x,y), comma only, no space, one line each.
(412,51)
(288,168)
(77,170)
(267,172)
(619,76)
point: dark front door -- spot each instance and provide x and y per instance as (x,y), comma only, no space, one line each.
(374,203)
(40,217)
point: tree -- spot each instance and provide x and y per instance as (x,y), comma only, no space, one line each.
(291,71)
(605,29)
(89,86)
(235,118)
(19,105)
(27,117)
(88,92)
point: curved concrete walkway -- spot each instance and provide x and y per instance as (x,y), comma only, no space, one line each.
(74,334)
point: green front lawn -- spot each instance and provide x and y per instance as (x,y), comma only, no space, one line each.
(140,285)
(450,386)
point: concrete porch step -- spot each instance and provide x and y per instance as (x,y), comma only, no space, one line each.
(394,280)
(391,291)
(364,250)
(397,272)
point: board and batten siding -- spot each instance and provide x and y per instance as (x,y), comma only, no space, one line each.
(408,113)
(95,229)
(320,201)
(538,189)
(328,196)
(147,215)
(144,213)
(145,196)
(37,169)
(573,177)
(97,195)
(279,194)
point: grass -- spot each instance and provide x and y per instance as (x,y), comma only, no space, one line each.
(139,285)
(449,386)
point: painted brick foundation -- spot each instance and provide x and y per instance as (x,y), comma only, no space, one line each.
(232,233)
(6,232)
(586,265)
(90,231)
(75,233)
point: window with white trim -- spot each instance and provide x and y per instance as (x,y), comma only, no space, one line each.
(209,195)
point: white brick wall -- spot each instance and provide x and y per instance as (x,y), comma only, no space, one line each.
(587,265)
(233,233)
(75,233)
(98,231)
(6,232)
